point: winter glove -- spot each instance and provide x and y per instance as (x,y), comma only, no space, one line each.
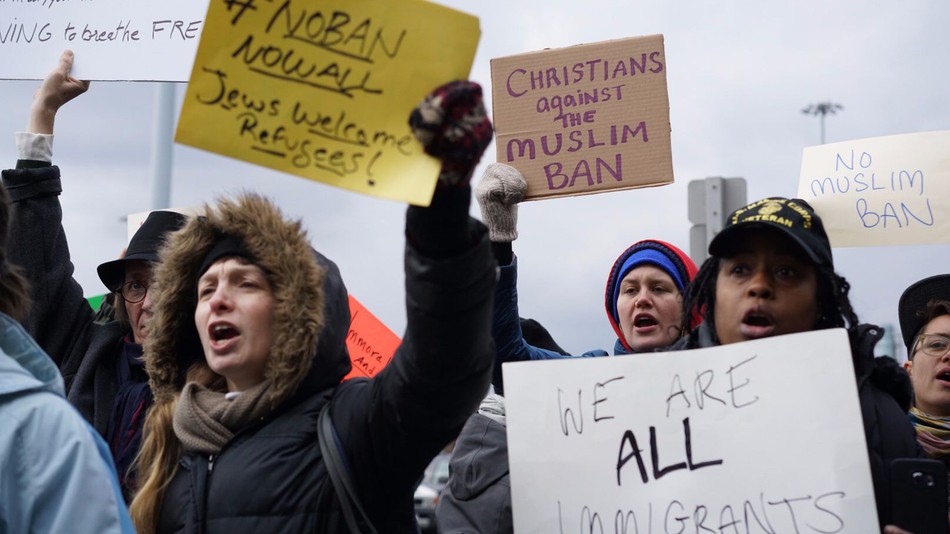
(498,193)
(452,125)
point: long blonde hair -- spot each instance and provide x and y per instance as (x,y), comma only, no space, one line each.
(157,460)
(157,463)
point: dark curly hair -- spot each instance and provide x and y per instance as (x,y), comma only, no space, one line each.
(835,309)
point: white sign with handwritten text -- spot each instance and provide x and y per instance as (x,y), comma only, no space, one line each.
(765,435)
(891,190)
(112,39)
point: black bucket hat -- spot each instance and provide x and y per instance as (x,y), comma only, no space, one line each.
(143,246)
(792,217)
(914,300)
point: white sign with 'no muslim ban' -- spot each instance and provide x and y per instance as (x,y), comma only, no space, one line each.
(891,190)
(112,39)
(763,436)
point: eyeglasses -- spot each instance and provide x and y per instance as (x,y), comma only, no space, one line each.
(133,292)
(936,345)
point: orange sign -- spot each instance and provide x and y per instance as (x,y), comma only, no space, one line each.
(370,343)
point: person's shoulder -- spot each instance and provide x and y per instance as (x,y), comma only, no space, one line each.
(39,408)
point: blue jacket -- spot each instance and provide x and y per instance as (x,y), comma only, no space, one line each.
(510,345)
(58,474)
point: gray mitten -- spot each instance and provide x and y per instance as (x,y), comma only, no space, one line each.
(498,193)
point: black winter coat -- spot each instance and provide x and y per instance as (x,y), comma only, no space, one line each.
(61,320)
(270,477)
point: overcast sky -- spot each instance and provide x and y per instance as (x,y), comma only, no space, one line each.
(739,74)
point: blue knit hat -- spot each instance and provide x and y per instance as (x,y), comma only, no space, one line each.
(668,258)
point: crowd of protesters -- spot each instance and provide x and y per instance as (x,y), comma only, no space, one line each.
(214,400)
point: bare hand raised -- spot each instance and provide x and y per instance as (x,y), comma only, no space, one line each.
(57,88)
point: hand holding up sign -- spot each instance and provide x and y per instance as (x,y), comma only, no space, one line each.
(498,193)
(452,125)
(58,88)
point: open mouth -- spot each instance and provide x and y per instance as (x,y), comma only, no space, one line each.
(757,324)
(757,320)
(222,332)
(644,321)
(944,376)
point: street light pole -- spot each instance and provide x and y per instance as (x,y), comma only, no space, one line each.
(822,109)
(163,134)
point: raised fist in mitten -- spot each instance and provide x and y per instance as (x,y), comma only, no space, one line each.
(498,192)
(452,125)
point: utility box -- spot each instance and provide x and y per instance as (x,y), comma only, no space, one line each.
(711,200)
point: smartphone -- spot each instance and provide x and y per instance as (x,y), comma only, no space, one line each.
(919,495)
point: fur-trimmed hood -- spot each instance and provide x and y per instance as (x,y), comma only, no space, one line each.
(311,313)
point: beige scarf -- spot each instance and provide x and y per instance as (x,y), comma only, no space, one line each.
(205,421)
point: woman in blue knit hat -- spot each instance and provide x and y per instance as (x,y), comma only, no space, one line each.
(642,298)
(644,304)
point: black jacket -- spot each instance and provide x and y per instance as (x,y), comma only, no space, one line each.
(271,476)
(61,320)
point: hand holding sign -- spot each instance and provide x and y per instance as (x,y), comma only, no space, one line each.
(452,125)
(58,88)
(499,192)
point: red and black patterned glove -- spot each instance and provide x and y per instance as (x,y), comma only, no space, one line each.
(452,125)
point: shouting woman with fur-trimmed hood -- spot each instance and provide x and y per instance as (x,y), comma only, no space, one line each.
(260,321)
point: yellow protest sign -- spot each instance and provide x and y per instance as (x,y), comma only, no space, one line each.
(323,90)
(585,119)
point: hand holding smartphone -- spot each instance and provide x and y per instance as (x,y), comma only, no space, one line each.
(919,495)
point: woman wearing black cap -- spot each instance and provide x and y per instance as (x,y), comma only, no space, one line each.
(770,272)
(100,363)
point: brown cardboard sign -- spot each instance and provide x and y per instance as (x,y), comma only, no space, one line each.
(584,119)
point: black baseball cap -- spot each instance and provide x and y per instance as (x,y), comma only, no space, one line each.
(914,300)
(794,218)
(144,245)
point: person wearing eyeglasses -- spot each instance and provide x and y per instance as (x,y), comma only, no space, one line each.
(924,311)
(101,364)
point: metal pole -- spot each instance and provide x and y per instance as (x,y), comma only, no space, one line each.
(162,137)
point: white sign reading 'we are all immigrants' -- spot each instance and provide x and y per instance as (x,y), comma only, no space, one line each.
(761,436)
(112,39)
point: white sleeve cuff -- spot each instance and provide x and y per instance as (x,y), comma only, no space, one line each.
(37,147)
